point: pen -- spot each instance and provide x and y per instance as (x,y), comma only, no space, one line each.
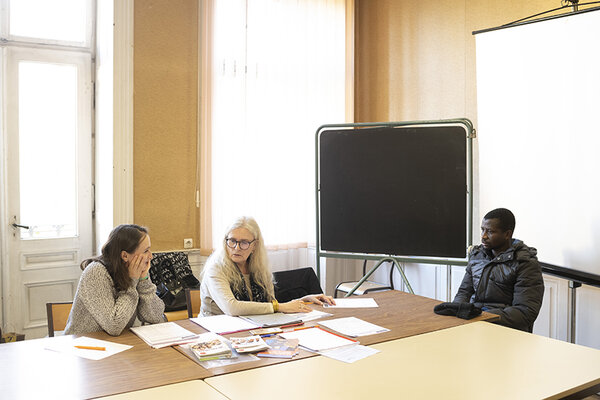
(91,348)
(239,330)
(290,325)
(304,327)
(269,335)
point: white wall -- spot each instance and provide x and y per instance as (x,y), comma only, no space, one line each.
(538,135)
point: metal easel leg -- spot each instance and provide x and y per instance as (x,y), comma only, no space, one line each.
(404,278)
(368,274)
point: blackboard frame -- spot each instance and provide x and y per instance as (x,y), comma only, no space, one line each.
(469,131)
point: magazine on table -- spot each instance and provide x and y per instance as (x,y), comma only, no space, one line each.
(248,344)
(280,347)
(209,346)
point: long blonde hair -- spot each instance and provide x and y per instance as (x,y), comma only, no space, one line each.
(258,264)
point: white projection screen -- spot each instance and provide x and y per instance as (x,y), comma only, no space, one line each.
(538,99)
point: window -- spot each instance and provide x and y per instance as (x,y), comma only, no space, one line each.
(46,154)
(277,73)
(47,47)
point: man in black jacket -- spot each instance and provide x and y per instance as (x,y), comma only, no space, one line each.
(503,275)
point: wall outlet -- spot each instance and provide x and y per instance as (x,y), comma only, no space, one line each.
(188,243)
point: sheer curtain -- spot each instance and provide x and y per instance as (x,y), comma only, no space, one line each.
(277,72)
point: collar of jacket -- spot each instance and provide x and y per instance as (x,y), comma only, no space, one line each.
(506,255)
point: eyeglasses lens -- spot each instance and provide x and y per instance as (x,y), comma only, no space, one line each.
(244,244)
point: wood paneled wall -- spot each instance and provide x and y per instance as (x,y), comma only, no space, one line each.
(166,120)
(415,60)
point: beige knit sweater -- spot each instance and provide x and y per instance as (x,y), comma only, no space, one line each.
(217,298)
(99,307)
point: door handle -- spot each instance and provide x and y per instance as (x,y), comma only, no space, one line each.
(19,226)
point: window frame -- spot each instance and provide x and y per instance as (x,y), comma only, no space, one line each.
(7,38)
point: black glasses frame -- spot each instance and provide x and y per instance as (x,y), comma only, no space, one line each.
(243,244)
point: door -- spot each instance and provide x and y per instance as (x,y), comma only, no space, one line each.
(48,181)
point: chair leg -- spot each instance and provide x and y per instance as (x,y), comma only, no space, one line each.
(392,276)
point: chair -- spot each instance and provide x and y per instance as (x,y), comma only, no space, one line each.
(367,286)
(176,315)
(58,314)
(192,299)
(295,283)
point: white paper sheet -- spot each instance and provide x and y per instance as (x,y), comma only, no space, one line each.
(224,324)
(66,345)
(310,316)
(352,302)
(352,326)
(349,354)
(269,320)
(317,339)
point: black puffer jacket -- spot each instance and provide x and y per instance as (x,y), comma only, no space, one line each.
(510,284)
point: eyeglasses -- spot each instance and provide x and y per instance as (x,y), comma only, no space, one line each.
(244,244)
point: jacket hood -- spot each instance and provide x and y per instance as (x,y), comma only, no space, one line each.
(522,251)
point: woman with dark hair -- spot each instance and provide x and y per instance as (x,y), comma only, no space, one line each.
(115,287)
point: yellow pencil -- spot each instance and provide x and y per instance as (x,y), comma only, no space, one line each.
(91,348)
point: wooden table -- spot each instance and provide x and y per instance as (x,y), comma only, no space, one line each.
(472,361)
(404,314)
(28,371)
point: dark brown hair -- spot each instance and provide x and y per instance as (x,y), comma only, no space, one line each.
(123,237)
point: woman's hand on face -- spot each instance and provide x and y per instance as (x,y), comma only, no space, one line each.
(294,306)
(318,299)
(138,266)
(146,270)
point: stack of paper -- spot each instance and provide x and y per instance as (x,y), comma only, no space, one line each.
(352,326)
(163,335)
(248,344)
(275,319)
(265,331)
(317,339)
(310,316)
(224,324)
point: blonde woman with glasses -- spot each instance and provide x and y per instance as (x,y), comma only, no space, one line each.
(237,280)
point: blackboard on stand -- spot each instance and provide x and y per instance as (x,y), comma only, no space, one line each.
(395,189)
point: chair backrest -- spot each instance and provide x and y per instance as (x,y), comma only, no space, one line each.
(295,283)
(172,274)
(58,314)
(192,299)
